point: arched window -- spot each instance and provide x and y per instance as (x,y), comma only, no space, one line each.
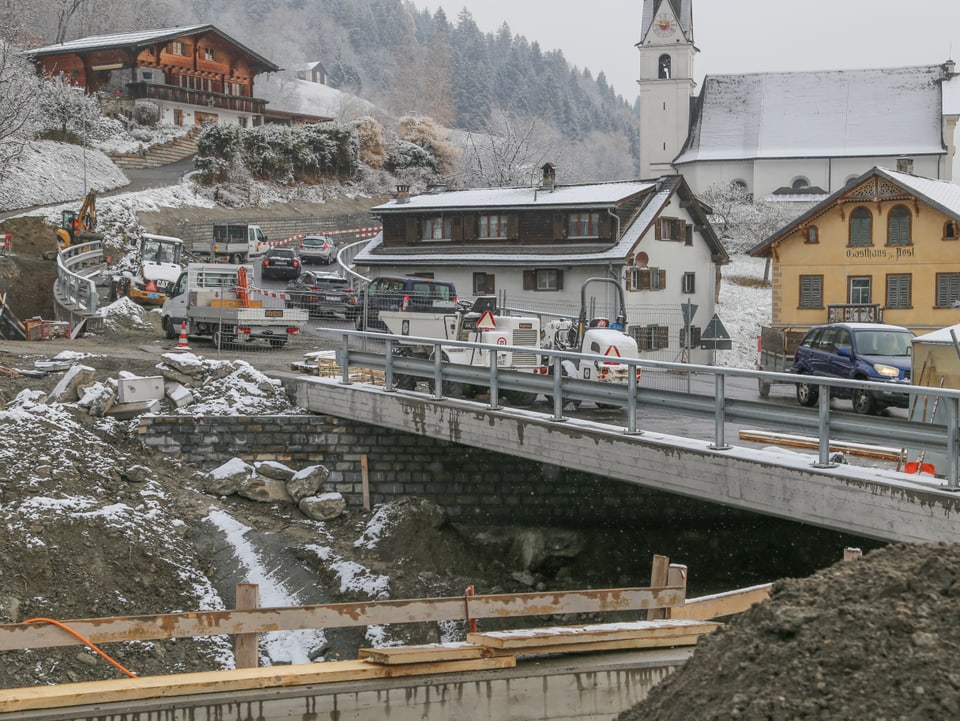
(800,183)
(861,227)
(898,226)
(663,67)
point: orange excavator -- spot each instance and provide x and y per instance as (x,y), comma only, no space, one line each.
(77,227)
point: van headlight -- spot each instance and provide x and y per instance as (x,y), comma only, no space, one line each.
(886,371)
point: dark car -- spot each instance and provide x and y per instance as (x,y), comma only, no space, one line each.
(317,248)
(417,295)
(281,263)
(859,351)
(322,294)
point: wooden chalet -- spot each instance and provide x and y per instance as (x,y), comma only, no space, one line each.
(196,74)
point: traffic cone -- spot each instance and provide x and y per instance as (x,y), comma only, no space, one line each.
(182,342)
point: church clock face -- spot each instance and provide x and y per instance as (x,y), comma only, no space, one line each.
(664,25)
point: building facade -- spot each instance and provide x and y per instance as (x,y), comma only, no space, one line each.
(536,247)
(884,248)
(780,131)
(194,74)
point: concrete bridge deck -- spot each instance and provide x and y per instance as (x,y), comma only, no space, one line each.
(868,502)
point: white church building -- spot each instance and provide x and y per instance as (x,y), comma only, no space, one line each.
(786,132)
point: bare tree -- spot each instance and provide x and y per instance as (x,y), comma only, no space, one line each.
(510,151)
(19,88)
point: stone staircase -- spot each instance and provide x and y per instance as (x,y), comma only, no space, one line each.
(156,155)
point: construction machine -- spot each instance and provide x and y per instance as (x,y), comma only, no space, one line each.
(77,227)
(597,335)
(156,265)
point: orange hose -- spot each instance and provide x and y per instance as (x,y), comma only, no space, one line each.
(87,643)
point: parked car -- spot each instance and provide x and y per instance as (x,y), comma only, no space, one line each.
(323,294)
(317,248)
(404,293)
(859,351)
(281,263)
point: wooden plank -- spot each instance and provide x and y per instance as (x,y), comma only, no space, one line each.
(863,450)
(430,652)
(336,615)
(590,633)
(722,604)
(246,649)
(118,690)
(658,577)
(622,644)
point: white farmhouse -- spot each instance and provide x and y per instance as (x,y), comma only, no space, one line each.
(534,247)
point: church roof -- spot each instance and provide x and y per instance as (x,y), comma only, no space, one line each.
(837,113)
(682,9)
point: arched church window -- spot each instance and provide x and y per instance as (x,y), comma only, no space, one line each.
(663,66)
(800,183)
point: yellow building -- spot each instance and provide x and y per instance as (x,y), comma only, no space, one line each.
(884,248)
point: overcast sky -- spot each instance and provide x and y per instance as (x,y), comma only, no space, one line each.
(734,36)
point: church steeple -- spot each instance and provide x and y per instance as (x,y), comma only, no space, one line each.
(666,82)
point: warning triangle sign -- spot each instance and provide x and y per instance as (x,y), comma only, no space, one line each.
(486,321)
(715,336)
(613,350)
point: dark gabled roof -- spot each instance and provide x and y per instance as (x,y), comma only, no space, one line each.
(938,194)
(140,39)
(596,195)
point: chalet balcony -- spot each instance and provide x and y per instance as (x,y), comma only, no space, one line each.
(186,96)
(855,313)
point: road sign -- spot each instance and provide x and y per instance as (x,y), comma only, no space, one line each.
(689,310)
(486,321)
(715,336)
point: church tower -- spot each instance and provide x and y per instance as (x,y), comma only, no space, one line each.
(666,82)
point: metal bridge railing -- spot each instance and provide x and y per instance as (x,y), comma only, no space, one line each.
(378,351)
(78,269)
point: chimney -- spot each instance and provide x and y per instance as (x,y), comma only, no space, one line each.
(905,165)
(403,194)
(549,176)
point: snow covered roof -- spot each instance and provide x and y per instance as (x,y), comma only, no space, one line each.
(600,195)
(837,113)
(938,194)
(940,337)
(682,9)
(592,195)
(140,39)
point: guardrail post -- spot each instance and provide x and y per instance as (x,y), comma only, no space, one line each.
(823,428)
(632,402)
(494,385)
(719,443)
(345,361)
(388,368)
(557,391)
(953,443)
(437,371)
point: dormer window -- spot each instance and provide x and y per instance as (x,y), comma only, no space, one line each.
(583,225)
(437,228)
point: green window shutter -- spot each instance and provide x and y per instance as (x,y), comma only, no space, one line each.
(861,227)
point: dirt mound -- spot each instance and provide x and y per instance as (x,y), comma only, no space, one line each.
(868,639)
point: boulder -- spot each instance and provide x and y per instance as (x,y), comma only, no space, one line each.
(324,507)
(307,482)
(265,490)
(275,470)
(66,391)
(226,479)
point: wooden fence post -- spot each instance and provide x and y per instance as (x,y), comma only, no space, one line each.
(658,579)
(246,645)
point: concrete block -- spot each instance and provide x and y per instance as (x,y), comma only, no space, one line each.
(135,390)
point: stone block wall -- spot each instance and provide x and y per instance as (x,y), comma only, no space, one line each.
(471,484)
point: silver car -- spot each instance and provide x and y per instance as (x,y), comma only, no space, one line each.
(317,248)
